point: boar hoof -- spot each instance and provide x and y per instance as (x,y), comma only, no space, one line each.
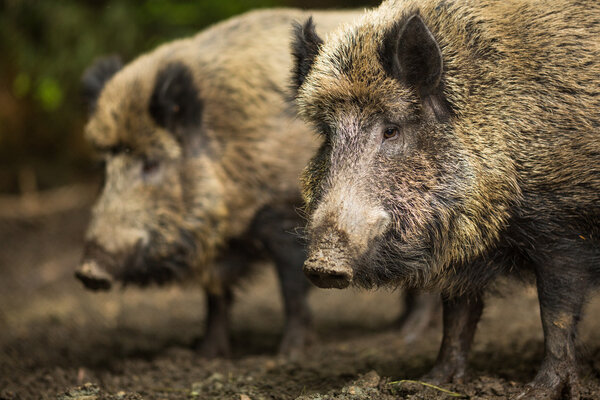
(441,374)
(541,393)
(209,349)
(294,342)
(550,390)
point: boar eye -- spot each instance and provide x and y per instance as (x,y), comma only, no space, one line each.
(150,166)
(390,132)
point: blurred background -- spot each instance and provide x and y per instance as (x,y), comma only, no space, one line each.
(46,45)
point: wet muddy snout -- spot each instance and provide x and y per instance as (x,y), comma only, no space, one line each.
(93,276)
(98,267)
(338,238)
(327,271)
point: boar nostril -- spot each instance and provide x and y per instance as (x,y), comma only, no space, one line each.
(328,277)
(93,276)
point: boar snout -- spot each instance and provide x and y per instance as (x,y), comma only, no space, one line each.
(97,268)
(327,272)
(341,232)
(93,276)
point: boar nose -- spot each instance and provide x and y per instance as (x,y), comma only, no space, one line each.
(327,274)
(93,276)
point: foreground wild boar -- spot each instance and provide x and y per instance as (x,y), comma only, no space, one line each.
(203,153)
(462,141)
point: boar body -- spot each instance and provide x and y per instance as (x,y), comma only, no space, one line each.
(203,153)
(462,141)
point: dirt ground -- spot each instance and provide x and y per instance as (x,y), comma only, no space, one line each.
(58,341)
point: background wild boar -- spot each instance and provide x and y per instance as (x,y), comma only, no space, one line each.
(203,153)
(462,140)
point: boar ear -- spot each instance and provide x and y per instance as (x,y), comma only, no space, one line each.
(175,103)
(96,76)
(419,56)
(412,55)
(305,47)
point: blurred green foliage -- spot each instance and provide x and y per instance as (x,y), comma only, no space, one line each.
(45,47)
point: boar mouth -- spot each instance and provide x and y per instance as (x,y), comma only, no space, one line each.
(96,278)
(154,272)
(100,269)
(146,267)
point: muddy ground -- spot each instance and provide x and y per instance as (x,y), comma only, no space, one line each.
(59,341)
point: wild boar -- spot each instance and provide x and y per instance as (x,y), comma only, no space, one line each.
(203,152)
(461,142)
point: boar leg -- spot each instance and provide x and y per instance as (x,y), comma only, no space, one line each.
(420,309)
(216,337)
(461,315)
(561,292)
(288,254)
(297,331)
